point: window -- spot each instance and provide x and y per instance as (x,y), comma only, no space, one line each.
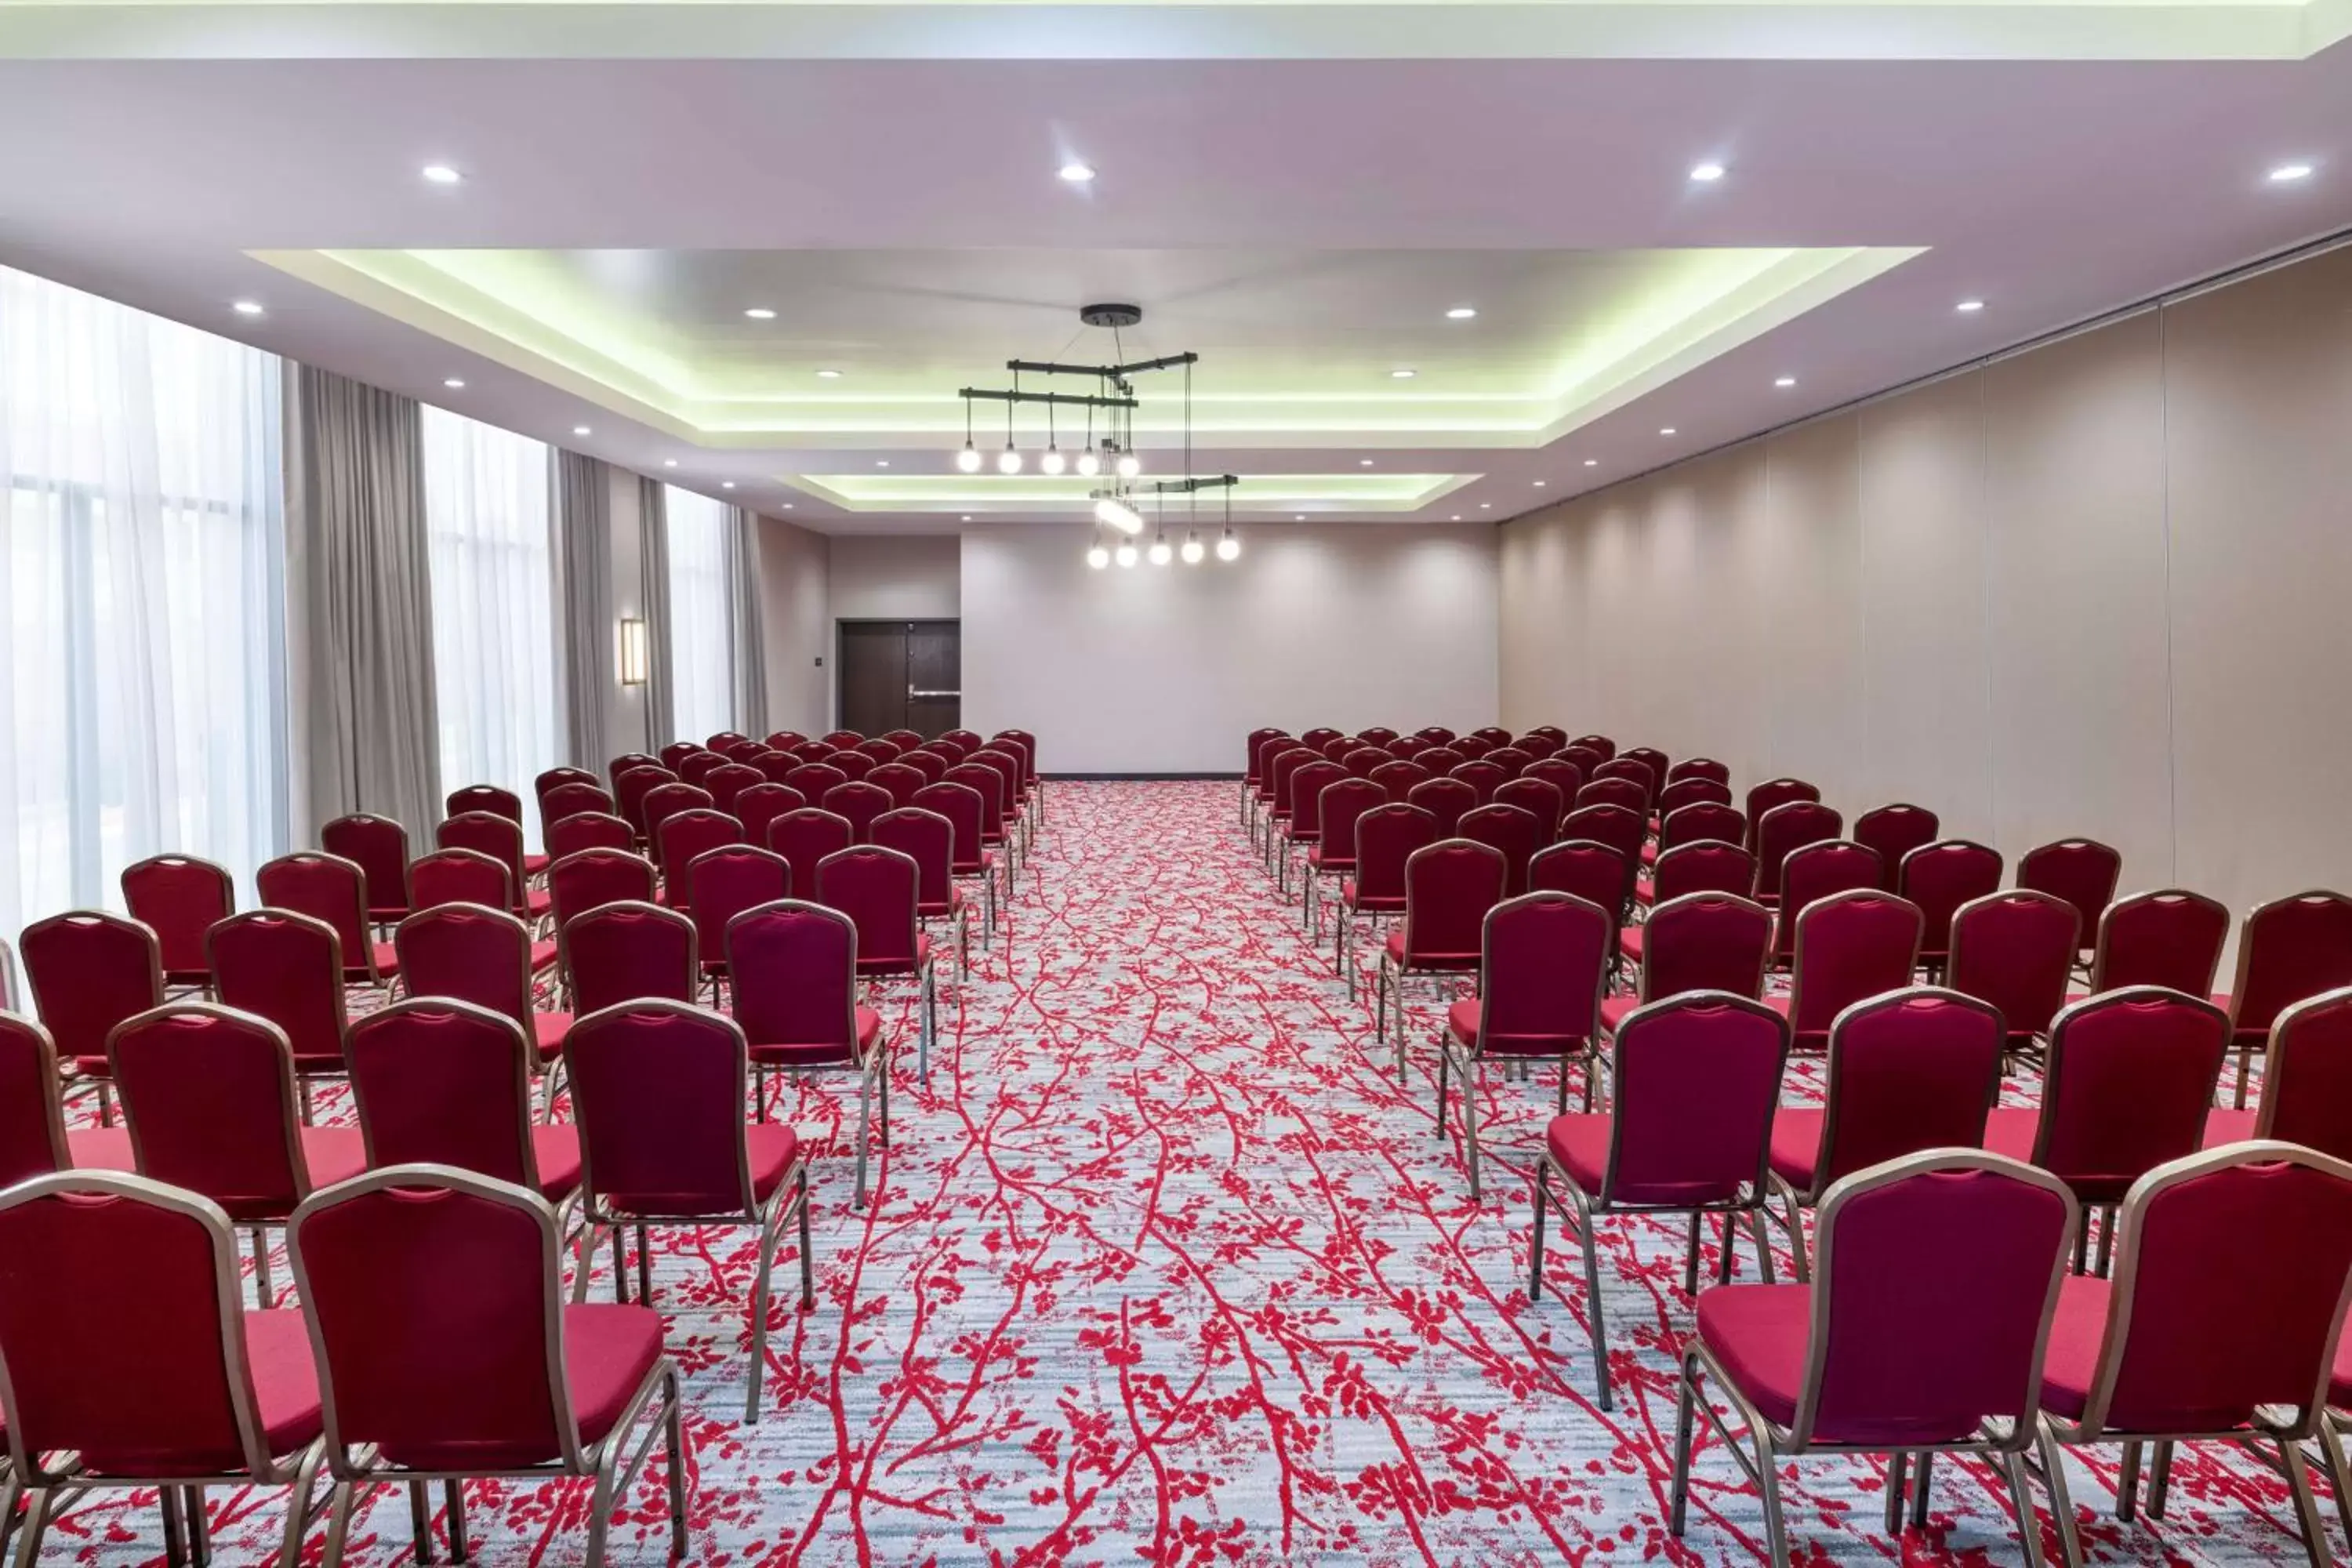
(143,707)
(486,510)
(701,614)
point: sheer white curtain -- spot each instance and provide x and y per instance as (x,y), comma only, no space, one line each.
(701,616)
(487,512)
(142,706)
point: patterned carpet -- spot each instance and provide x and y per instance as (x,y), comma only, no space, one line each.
(1166,1269)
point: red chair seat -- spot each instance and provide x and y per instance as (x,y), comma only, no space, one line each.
(549,1029)
(2011,1130)
(1629,942)
(1317,860)
(555,1148)
(387,960)
(1368,903)
(532,864)
(331,1154)
(1650,853)
(542,956)
(1758,1335)
(1580,1144)
(101,1149)
(538,902)
(869,1024)
(979,868)
(2074,1354)
(1797,1144)
(2222,1126)
(1462,1018)
(899,965)
(607,1352)
(1428,960)
(939,909)
(285,1398)
(1615,1009)
(773,1148)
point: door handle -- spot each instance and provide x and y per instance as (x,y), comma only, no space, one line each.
(912,693)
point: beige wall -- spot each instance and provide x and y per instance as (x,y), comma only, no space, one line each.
(885,576)
(796,620)
(2103,587)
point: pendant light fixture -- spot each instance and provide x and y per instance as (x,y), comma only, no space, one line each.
(1051,462)
(968,458)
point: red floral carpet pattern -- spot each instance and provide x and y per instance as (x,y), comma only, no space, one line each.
(1166,1269)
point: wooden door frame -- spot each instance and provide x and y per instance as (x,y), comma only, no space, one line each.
(841,665)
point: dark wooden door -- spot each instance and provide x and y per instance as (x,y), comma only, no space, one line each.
(901,675)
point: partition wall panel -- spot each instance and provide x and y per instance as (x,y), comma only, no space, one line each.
(1811,586)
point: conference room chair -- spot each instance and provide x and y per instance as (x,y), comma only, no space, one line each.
(630,789)
(1633,772)
(498,802)
(881,892)
(1449,886)
(905,740)
(1255,755)
(1472,747)
(1694,1081)
(1811,872)
(1924,1334)
(1909,1071)
(2082,871)
(1702,821)
(928,841)
(776,766)
(1714,941)
(1600,746)
(1397,777)
(1337,751)
(1540,744)
(628,950)
(817,751)
(446,1351)
(852,766)
(793,980)
(379,847)
(1387,836)
(664,801)
(1440,761)
(1493,734)
(1323,735)
(850,740)
(11,986)
(33,1137)
(719,884)
(785,740)
(587,830)
(627,762)
(1692,792)
(1539,798)
(1895,831)
(898,781)
(1630,793)
(178,897)
(1771,794)
(1700,866)
(728,783)
(208,1093)
(1006,799)
(458,877)
(1584,759)
(657,1088)
(1623,828)
(591,878)
(806,836)
(1698,768)
(1651,758)
(1434,735)
(1360,760)
(557,777)
(965,809)
(1850,946)
(1939,878)
(2306,1093)
(2129,1079)
(127,1363)
(330,888)
(288,969)
(1298,827)
(2016,949)
(2162,1353)
(1594,872)
(2288,949)
(1784,829)
(1404,748)
(761,804)
(1483,777)
(1013,762)
(2170,937)
(1512,760)
(501,839)
(696,767)
(1543,960)
(483,956)
(930,764)
(1376,735)
(1447,801)
(674,754)
(1340,808)
(878,748)
(1518,833)
(88,971)
(682,837)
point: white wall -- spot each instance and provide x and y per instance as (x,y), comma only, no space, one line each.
(796,620)
(1167,669)
(885,577)
(624,706)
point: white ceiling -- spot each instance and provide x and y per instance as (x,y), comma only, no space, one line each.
(2054,190)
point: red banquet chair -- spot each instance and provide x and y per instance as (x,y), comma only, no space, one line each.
(763,804)
(424,1378)
(1472,747)
(1621,827)
(1446,800)
(879,749)
(664,801)
(989,785)
(209,1094)
(1253,774)
(1924,1334)
(485,797)
(1360,760)
(592,877)
(1517,833)
(1692,791)
(723,881)
(775,766)
(1397,777)
(930,764)
(2289,949)
(1565,777)
(785,740)
(379,847)
(900,781)
(1629,795)
(1386,839)
(881,892)
(2082,871)
(1320,736)
(1632,772)
(806,836)
(1376,735)
(33,1137)
(1699,768)
(906,739)
(1772,793)
(966,810)
(813,779)
(1939,878)
(556,776)
(458,877)
(1696,1077)
(288,969)
(627,951)
(128,1361)
(857,803)
(682,838)
(1441,761)
(1700,941)
(1434,735)
(1540,742)
(1702,865)
(501,839)
(1895,831)
(1600,745)
(850,740)
(178,897)
(2307,1095)
(928,841)
(1543,959)
(482,956)
(624,763)
(2129,1079)
(793,974)
(1539,797)
(1584,759)
(659,1089)
(2171,937)
(631,788)
(1701,822)
(728,783)
(1811,873)
(2253,1233)
(1909,1071)
(1342,806)
(1297,820)
(1449,886)
(88,972)
(1785,829)
(1850,947)
(851,766)
(570,798)
(1493,734)
(2015,949)
(1405,747)
(588,830)
(675,755)
(330,888)
(1483,777)
(1660,765)
(1593,872)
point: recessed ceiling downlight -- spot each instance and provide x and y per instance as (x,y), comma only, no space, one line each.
(246,306)
(440,175)
(2288,173)
(1707,174)
(1077,173)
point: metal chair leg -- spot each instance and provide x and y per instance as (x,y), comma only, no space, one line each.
(2306,1506)
(1776,1529)
(2020,1500)
(2127,1483)
(2062,1505)
(1685,1395)
(1920,1491)
(420,1522)
(1535,1245)
(673,1419)
(452,1501)
(1898,1468)
(1594,1314)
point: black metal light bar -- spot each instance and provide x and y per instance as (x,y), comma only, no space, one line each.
(1101,371)
(1187,487)
(1084,399)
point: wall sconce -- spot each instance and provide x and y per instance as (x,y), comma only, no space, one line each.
(633,651)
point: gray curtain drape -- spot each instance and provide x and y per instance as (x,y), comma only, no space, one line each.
(583,578)
(653,565)
(749,643)
(355,489)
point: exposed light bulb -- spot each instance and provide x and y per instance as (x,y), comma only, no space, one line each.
(1229,548)
(1119,515)
(1051,461)
(1089,464)
(1098,557)
(1008,461)
(1160,553)
(968,458)
(1193,550)
(1126,554)
(1129,465)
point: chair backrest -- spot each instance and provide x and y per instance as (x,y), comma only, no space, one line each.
(1895,831)
(1785,828)
(630,789)
(1602,745)
(1514,830)
(1584,759)
(628,949)
(966,813)
(1565,777)
(1772,793)
(806,836)
(1447,801)
(591,877)
(722,882)
(880,890)
(379,847)
(1404,748)
(986,783)
(1307,784)
(485,797)
(1909,1071)
(728,783)
(1935,1284)
(588,830)
(1449,886)
(1699,768)
(785,740)
(1397,777)
(1434,735)
(1319,736)
(1337,751)
(1941,877)
(684,836)
(1512,760)
(627,762)
(879,749)
(1009,768)
(1633,772)
(435,1376)
(849,740)
(209,1094)
(1630,793)
(1253,753)
(907,739)
(1623,828)
(32,1120)
(1652,758)
(1701,822)
(813,779)
(664,801)
(1813,872)
(121,1337)
(675,754)
(89,970)
(857,803)
(2290,949)
(852,766)
(1472,746)
(928,764)
(1705,942)
(470,953)
(2016,949)
(762,802)
(1543,958)
(1850,946)
(2249,1234)
(2306,1076)
(1387,836)
(2170,937)
(286,968)
(1539,797)
(556,777)
(1540,742)
(928,841)
(1703,865)
(571,797)
(1692,792)
(1594,872)
(898,780)
(444,1082)
(2082,871)
(1481,776)
(487,833)
(2129,1077)
(1376,735)
(458,877)
(1342,806)
(178,897)
(326,888)
(658,1090)
(1697,1078)
(793,965)
(1440,759)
